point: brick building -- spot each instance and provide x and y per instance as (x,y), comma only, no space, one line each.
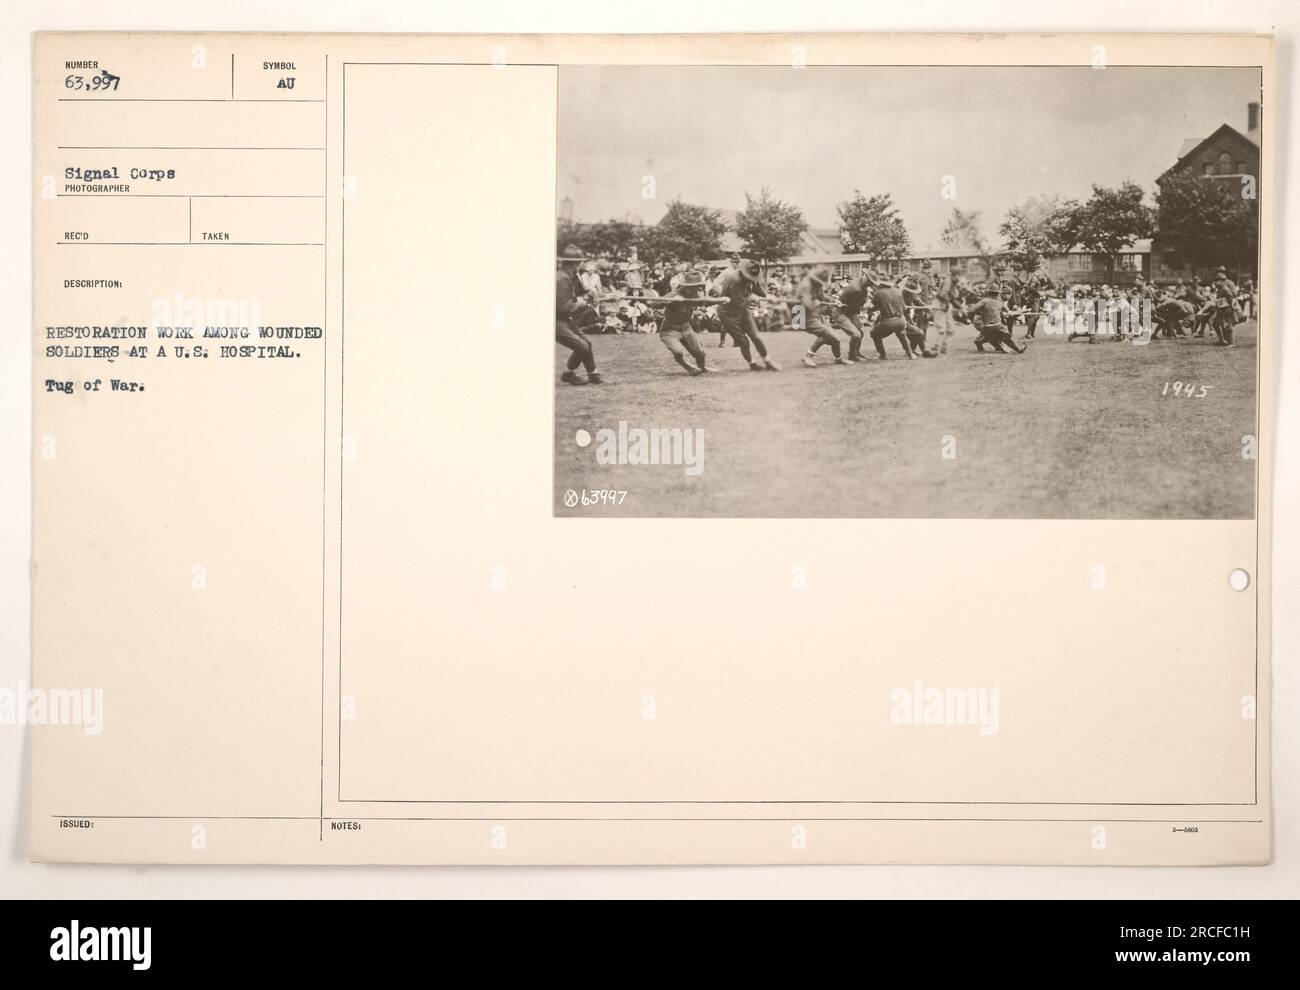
(1226,155)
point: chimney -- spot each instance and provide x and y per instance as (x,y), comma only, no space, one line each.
(1252,119)
(566,207)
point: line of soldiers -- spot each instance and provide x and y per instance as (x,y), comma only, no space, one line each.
(1182,310)
(1189,310)
(920,309)
(874,304)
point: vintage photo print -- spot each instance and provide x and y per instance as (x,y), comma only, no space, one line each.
(907,291)
(839,349)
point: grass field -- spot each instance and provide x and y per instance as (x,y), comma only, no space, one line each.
(1068,430)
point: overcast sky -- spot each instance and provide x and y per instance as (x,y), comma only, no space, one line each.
(814,135)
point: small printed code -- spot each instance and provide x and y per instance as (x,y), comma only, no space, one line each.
(600,496)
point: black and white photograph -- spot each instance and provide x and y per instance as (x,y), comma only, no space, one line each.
(893,515)
(907,291)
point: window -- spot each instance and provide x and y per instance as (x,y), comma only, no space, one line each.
(1241,168)
(1207,168)
(1225,164)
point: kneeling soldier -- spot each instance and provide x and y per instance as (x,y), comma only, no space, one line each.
(989,319)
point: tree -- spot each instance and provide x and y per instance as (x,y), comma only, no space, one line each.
(686,233)
(615,239)
(872,225)
(1111,220)
(769,229)
(1039,226)
(1206,221)
(965,229)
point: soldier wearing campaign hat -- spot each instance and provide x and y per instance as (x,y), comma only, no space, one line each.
(677,333)
(736,285)
(568,302)
(891,315)
(918,295)
(989,317)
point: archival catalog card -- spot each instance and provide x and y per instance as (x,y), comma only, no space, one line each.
(889,483)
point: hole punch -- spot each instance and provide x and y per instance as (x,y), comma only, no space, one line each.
(1238,580)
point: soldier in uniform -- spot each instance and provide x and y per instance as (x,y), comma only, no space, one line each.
(1171,315)
(891,316)
(1224,305)
(847,317)
(737,285)
(711,277)
(567,303)
(811,294)
(918,296)
(678,332)
(1037,286)
(989,318)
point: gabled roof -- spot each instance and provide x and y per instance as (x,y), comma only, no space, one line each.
(1191,146)
(824,240)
